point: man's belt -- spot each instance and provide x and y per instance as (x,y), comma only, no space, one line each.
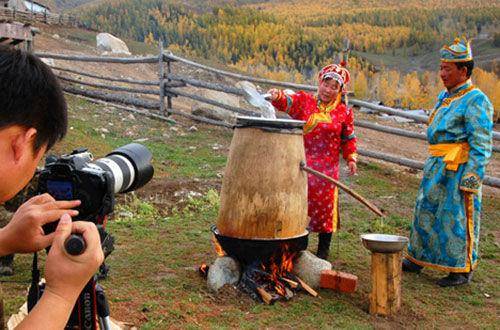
(453,154)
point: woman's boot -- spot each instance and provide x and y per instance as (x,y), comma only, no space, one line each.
(324,240)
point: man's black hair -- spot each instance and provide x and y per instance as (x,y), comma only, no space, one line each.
(31,96)
(469,65)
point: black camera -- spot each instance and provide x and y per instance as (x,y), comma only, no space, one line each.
(94,183)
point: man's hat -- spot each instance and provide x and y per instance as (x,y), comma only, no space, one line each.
(459,51)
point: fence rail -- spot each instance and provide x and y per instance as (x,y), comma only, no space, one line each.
(169,85)
(29,17)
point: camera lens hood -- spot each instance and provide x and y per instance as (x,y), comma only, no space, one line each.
(140,158)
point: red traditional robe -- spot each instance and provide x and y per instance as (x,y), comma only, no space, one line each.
(329,129)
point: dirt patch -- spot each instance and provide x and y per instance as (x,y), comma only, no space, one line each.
(165,193)
(231,295)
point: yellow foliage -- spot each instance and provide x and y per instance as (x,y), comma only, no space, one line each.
(361,85)
(489,83)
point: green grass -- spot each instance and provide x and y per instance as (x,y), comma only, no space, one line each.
(154,282)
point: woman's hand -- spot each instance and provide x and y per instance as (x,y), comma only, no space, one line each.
(353,168)
(274,93)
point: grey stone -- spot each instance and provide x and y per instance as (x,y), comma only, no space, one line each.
(309,267)
(110,44)
(224,270)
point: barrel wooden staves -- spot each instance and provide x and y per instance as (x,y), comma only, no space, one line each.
(264,191)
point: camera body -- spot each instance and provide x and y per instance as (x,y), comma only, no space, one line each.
(74,176)
(95,183)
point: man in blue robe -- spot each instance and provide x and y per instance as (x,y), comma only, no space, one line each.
(445,230)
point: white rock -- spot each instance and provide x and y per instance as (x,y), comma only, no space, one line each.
(193,129)
(224,270)
(141,140)
(104,130)
(111,44)
(56,36)
(131,117)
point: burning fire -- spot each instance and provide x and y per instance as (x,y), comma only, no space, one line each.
(278,270)
(218,248)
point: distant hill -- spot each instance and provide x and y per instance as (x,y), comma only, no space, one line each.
(394,43)
(63,5)
(299,35)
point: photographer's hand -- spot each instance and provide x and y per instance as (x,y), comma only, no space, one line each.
(65,276)
(24,233)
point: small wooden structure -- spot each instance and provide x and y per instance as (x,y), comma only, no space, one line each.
(14,33)
(386,273)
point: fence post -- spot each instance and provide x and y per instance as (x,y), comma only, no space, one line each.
(161,75)
(169,96)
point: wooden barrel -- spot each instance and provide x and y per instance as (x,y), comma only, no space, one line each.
(264,191)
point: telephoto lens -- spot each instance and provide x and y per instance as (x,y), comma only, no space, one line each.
(129,167)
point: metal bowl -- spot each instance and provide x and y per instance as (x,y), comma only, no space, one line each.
(383,243)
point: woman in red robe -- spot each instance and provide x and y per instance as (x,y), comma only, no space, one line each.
(329,130)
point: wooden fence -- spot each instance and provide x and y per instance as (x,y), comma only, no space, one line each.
(9,14)
(169,85)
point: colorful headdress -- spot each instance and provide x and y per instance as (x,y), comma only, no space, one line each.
(336,72)
(459,51)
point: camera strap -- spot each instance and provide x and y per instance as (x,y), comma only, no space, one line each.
(34,290)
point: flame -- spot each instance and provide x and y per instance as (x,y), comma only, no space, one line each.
(279,266)
(203,270)
(218,249)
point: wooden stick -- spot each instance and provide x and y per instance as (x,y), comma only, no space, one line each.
(103,59)
(344,187)
(306,287)
(266,296)
(91,75)
(291,283)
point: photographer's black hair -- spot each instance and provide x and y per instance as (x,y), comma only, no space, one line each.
(31,96)
(469,65)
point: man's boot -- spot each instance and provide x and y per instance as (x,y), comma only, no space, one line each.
(6,265)
(454,279)
(411,267)
(324,240)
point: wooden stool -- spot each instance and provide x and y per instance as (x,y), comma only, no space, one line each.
(385,297)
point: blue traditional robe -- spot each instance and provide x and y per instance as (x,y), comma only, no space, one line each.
(445,230)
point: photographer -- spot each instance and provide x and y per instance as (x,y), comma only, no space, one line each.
(33,117)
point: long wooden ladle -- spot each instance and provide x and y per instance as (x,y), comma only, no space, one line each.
(348,190)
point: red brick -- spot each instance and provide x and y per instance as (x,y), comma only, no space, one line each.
(329,280)
(339,281)
(348,282)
